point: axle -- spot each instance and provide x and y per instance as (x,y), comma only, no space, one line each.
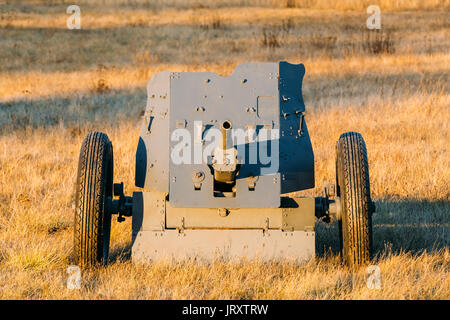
(122,206)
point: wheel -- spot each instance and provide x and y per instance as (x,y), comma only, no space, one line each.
(353,188)
(92,223)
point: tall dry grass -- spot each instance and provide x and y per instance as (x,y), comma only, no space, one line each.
(342,5)
(56,85)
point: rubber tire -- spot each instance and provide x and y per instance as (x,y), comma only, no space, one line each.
(92,226)
(353,188)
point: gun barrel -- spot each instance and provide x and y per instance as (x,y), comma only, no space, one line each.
(226,163)
(227,139)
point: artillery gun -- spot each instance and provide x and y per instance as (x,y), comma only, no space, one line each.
(215,162)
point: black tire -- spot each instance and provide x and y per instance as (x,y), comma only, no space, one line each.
(353,188)
(92,223)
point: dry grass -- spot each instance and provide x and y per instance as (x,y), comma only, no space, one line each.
(56,85)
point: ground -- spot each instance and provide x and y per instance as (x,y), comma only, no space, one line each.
(391,85)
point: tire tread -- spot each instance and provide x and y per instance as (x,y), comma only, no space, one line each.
(354,188)
(89,200)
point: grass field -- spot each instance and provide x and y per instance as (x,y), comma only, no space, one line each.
(56,85)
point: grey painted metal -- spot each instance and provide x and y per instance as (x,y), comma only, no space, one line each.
(296,153)
(149,211)
(152,212)
(207,245)
(152,155)
(256,95)
(225,98)
(161,231)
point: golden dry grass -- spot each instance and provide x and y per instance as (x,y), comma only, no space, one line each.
(56,85)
